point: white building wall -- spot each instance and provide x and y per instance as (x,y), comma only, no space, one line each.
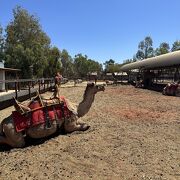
(1,64)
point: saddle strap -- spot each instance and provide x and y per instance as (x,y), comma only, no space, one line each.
(56,117)
(47,118)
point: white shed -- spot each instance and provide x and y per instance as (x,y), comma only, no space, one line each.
(3,71)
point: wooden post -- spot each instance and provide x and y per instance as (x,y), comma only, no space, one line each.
(47,84)
(44,85)
(29,90)
(19,86)
(6,87)
(16,90)
(39,86)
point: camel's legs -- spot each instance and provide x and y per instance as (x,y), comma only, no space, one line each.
(73,125)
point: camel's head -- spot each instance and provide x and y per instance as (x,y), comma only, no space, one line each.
(94,88)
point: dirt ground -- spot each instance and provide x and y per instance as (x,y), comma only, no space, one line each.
(134,134)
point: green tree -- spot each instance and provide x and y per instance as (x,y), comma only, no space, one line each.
(1,44)
(113,68)
(163,49)
(93,66)
(108,63)
(67,64)
(145,49)
(81,65)
(26,44)
(53,61)
(176,46)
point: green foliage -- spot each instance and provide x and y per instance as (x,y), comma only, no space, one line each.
(83,65)
(1,44)
(113,68)
(53,62)
(26,44)
(163,49)
(108,63)
(145,49)
(176,46)
(68,69)
(93,66)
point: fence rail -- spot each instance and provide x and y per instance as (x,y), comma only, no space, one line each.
(29,85)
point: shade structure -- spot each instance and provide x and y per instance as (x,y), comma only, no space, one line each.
(163,61)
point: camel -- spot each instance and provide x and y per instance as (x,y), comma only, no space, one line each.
(172,89)
(10,136)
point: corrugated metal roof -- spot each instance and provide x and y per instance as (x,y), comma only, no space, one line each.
(166,60)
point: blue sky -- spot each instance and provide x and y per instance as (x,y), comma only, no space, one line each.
(102,29)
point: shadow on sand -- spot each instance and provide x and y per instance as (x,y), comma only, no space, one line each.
(31,142)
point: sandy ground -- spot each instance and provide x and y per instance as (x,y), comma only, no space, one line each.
(134,134)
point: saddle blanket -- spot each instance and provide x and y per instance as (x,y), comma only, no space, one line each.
(23,122)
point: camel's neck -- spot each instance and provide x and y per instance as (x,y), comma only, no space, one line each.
(85,105)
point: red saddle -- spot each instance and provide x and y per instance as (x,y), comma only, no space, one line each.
(38,115)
